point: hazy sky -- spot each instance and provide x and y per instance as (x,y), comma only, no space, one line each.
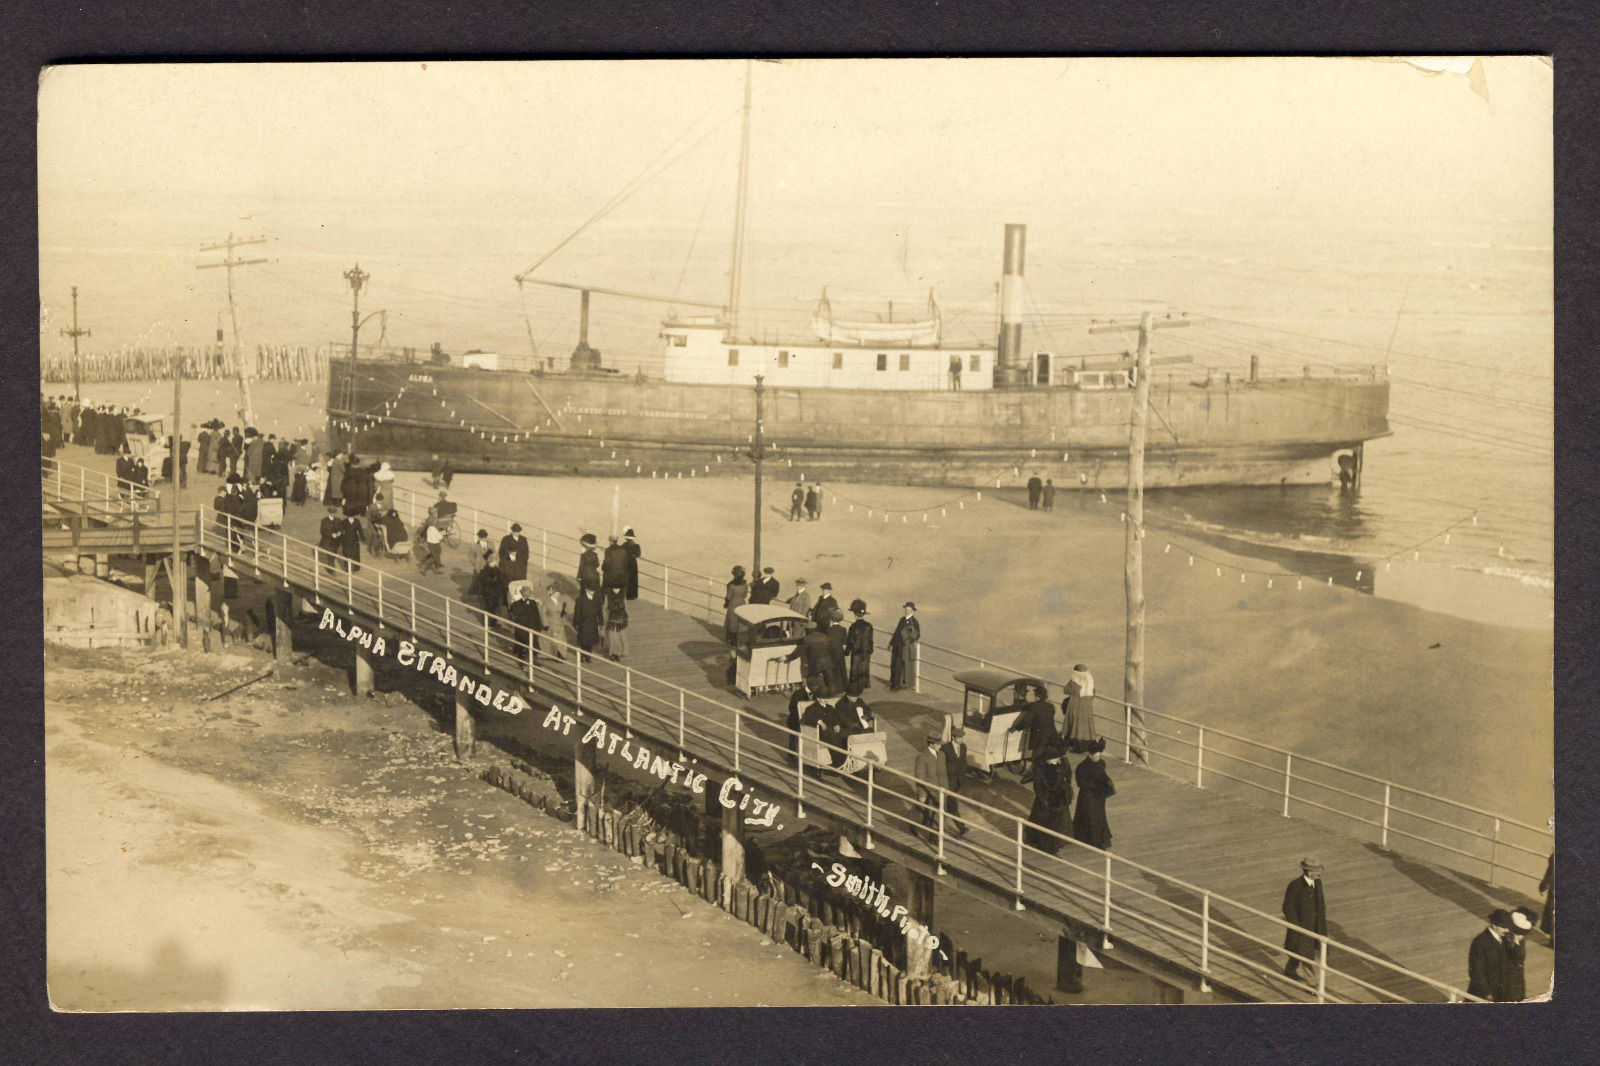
(479,168)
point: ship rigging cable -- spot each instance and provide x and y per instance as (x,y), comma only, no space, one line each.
(651,170)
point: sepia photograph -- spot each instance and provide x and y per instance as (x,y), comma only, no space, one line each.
(819,532)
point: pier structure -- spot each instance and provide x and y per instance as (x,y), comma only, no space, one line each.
(1207,835)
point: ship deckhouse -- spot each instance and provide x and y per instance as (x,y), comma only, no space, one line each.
(698,352)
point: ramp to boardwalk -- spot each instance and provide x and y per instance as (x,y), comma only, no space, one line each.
(1196,877)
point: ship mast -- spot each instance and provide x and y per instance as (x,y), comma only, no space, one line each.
(736,272)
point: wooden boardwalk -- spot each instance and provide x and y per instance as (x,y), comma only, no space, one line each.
(1417,916)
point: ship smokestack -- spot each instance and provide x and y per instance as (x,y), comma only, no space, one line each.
(1010,369)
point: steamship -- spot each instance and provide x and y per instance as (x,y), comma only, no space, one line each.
(866,401)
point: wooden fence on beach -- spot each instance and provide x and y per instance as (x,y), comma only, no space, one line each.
(268,362)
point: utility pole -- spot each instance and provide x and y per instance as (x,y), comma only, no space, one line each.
(75,333)
(180,611)
(1133,566)
(1133,570)
(736,271)
(758,453)
(246,407)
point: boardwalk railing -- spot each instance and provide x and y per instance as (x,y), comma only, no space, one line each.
(1216,937)
(1475,841)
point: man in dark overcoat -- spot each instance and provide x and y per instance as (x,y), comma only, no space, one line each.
(634,552)
(1487,960)
(1304,906)
(815,652)
(903,648)
(823,609)
(765,589)
(514,554)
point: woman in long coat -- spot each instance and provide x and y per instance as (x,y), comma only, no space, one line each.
(1052,799)
(586,620)
(1077,711)
(634,551)
(738,594)
(1094,788)
(859,642)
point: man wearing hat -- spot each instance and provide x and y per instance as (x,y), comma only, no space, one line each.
(931,777)
(800,602)
(1516,985)
(859,642)
(514,555)
(825,606)
(589,563)
(524,611)
(954,751)
(797,500)
(765,588)
(1488,959)
(631,546)
(1304,906)
(903,648)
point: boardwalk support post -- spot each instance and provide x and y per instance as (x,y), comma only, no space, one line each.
(1322,970)
(1205,940)
(366,681)
(732,852)
(1200,760)
(919,950)
(281,605)
(1069,971)
(583,767)
(466,731)
(1384,842)
(202,609)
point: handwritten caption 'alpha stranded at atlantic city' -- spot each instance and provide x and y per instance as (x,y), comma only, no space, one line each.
(606,739)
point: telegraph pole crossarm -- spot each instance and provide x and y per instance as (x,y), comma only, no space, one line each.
(226,247)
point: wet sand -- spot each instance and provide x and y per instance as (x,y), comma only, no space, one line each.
(289,847)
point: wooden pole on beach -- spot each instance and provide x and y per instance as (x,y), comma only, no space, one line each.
(180,611)
(1133,572)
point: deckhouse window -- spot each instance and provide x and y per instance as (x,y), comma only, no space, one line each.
(883,361)
(733,357)
(975,363)
(677,340)
(783,359)
(838,360)
(905,360)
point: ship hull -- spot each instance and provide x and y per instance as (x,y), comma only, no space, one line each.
(1286,432)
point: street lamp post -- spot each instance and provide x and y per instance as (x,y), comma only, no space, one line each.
(356,277)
